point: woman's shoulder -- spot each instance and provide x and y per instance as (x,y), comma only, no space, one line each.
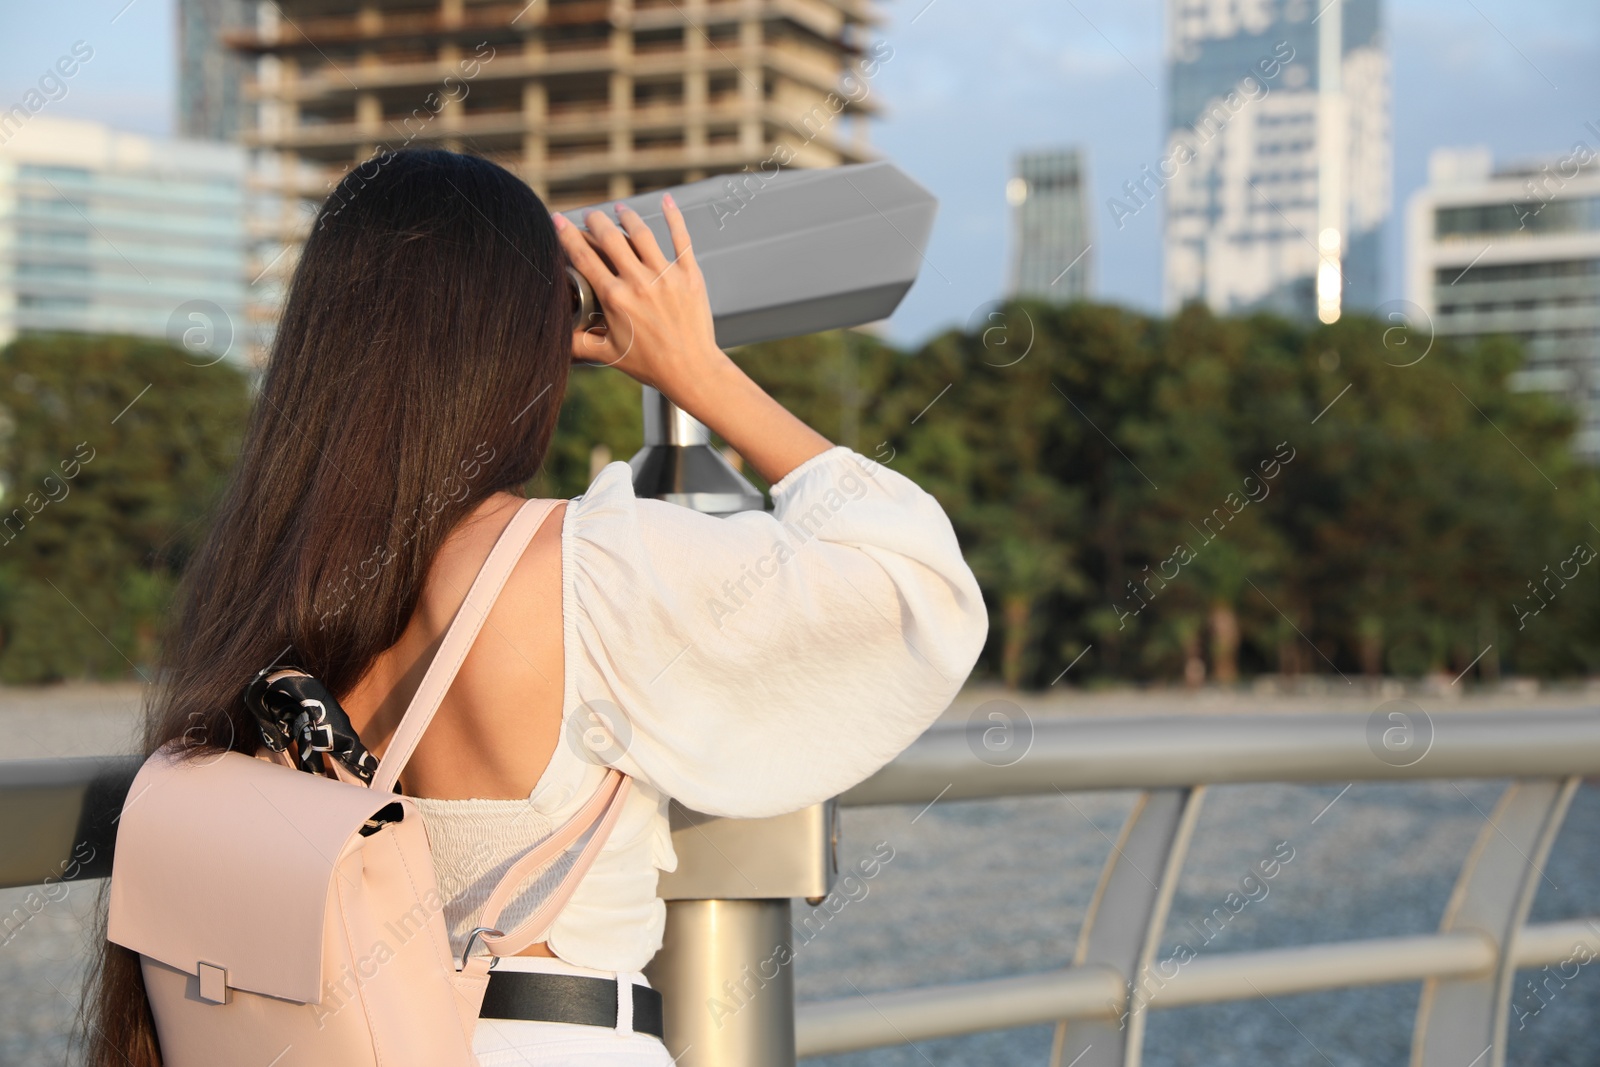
(611,485)
(608,507)
(462,554)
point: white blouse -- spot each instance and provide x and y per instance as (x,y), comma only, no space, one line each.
(746,666)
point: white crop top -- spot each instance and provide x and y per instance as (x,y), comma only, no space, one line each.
(747,666)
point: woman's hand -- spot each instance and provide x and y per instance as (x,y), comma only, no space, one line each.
(658,328)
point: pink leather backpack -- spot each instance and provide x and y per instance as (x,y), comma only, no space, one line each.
(293,919)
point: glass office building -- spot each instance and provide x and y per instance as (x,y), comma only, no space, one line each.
(1277,167)
(110,232)
(211,76)
(1515,250)
(1050,226)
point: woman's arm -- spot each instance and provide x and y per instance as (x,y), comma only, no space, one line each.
(755,664)
(758,663)
(659,331)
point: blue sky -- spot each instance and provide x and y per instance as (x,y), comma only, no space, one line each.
(972,83)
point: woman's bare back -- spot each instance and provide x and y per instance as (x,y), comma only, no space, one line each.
(495,731)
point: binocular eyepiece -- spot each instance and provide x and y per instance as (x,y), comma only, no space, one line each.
(585,308)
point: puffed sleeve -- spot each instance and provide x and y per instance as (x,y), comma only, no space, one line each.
(755,664)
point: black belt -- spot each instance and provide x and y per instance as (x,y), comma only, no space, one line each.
(567,998)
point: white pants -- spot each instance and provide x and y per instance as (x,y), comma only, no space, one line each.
(522,1043)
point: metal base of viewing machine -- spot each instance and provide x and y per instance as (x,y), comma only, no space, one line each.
(724,969)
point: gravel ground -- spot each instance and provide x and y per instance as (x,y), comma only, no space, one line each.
(993,888)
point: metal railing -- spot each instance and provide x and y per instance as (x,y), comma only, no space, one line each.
(1100,1002)
(52,811)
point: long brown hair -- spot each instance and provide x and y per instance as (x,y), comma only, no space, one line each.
(418,367)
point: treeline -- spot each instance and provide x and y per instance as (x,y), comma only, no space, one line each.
(112,449)
(1143,499)
(1205,499)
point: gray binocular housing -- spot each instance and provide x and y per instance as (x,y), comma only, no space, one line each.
(784,254)
(793,252)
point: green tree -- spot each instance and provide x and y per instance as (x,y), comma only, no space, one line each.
(602,409)
(834,381)
(1213,434)
(1002,424)
(1251,492)
(114,449)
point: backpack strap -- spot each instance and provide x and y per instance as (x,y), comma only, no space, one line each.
(600,811)
(459,637)
(605,806)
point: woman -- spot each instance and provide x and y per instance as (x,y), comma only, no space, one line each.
(746,666)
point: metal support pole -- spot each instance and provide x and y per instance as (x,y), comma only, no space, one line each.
(678,464)
(728,987)
(724,966)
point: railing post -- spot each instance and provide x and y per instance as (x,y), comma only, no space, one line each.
(724,967)
(1123,926)
(1465,1020)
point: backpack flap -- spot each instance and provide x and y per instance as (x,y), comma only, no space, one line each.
(228,860)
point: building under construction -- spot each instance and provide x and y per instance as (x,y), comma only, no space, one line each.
(587,100)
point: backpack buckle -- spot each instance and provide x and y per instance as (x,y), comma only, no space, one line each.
(473,935)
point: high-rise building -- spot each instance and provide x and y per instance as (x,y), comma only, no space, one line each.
(1516,251)
(1278,164)
(110,232)
(587,100)
(1050,226)
(210,75)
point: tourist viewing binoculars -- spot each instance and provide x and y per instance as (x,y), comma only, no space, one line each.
(793,252)
(784,254)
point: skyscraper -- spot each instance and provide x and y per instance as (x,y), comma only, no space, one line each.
(1050,226)
(210,75)
(1515,250)
(1277,169)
